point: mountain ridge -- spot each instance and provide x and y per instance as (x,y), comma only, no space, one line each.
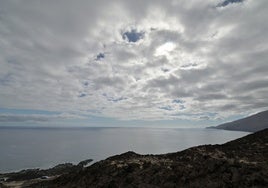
(251,123)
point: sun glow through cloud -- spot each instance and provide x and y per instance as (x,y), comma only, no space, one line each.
(129,60)
(165,49)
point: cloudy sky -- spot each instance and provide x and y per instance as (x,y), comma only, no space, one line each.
(124,62)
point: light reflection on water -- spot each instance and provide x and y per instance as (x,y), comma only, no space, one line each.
(32,148)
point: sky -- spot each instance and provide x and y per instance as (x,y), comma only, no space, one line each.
(180,63)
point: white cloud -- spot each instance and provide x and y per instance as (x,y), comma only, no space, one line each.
(165,49)
(212,58)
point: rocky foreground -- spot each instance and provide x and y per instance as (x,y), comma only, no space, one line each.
(239,163)
(28,177)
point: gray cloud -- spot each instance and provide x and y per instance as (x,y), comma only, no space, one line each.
(21,118)
(35,117)
(63,56)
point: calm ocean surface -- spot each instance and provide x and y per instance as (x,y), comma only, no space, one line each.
(43,148)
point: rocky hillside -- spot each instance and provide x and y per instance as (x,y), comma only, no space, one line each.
(239,163)
(252,123)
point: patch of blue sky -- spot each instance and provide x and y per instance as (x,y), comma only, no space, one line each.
(168,108)
(133,35)
(118,99)
(227,2)
(100,56)
(178,101)
(113,99)
(82,95)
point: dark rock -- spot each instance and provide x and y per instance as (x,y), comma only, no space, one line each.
(3,186)
(60,169)
(85,162)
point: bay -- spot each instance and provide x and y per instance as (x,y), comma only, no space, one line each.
(23,148)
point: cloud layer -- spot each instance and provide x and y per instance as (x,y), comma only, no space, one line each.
(4,118)
(128,60)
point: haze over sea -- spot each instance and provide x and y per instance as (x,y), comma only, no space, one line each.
(23,148)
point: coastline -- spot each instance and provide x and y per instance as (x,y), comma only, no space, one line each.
(240,163)
(74,146)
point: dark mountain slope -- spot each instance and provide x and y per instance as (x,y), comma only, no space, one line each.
(239,163)
(252,123)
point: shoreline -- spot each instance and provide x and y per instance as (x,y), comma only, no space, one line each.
(241,163)
(161,143)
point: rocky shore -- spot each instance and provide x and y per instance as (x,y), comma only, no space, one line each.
(239,163)
(28,177)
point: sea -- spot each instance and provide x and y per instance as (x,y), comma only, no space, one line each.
(24,148)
